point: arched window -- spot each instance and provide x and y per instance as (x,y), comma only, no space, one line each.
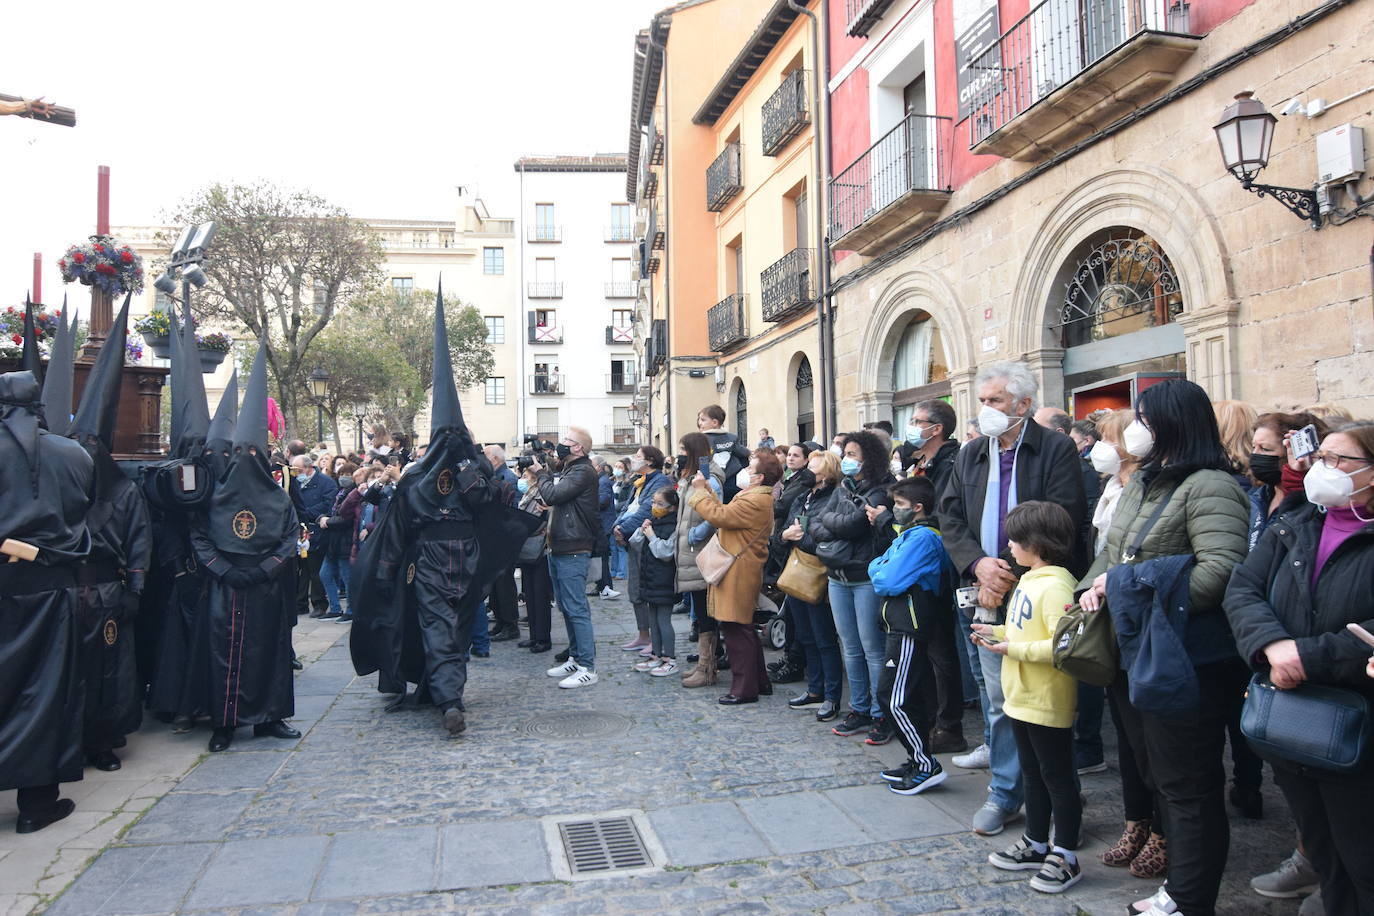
(806,402)
(919,371)
(742,414)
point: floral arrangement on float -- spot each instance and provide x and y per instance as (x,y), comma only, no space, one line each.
(103,262)
(12,331)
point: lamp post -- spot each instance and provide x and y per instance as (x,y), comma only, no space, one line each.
(1245,133)
(360,417)
(319,389)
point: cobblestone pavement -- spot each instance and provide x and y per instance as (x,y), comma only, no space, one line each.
(749,809)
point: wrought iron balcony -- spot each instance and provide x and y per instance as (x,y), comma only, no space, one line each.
(786,113)
(656,347)
(896,185)
(622,435)
(656,149)
(862,15)
(542,289)
(786,285)
(723,178)
(1064,72)
(542,233)
(546,383)
(651,185)
(727,325)
(620,232)
(546,334)
(619,335)
(622,289)
(621,384)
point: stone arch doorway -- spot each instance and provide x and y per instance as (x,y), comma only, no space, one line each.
(739,405)
(802,395)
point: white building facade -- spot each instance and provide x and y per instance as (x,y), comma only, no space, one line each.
(577,251)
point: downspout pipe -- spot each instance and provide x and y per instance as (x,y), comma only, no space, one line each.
(521,322)
(820,136)
(667,260)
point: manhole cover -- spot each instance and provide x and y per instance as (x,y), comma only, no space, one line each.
(577,725)
(603,845)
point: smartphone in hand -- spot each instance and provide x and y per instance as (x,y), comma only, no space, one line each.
(704,466)
(1361,632)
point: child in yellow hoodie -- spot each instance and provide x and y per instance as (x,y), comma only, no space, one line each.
(1040,699)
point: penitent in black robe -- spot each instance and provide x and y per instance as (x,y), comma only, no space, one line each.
(249,629)
(44,485)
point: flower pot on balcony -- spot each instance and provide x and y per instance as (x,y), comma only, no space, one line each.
(210,359)
(160,345)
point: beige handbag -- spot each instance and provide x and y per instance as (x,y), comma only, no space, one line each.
(715,561)
(804,577)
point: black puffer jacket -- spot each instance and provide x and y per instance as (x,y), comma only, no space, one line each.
(1269,599)
(657,577)
(794,489)
(574,512)
(842,518)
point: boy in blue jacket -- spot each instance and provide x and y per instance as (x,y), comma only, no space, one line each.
(915,580)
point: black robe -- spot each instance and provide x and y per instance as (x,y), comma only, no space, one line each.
(174,609)
(109,584)
(249,629)
(45,482)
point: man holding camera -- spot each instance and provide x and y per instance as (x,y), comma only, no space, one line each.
(574,536)
(312,493)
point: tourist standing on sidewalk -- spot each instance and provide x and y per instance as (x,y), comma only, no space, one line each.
(605,500)
(1014,460)
(1183,505)
(656,544)
(622,486)
(692,534)
(313,495)
(534,570)
(742,526)
(648,465)
(574,536)
(502,598)
(335,540)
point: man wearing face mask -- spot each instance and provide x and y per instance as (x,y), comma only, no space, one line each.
(1015,460)
(926,444)
(574,536)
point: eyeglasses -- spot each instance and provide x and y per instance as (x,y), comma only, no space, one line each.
(1333,459)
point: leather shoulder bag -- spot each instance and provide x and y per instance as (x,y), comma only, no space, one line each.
(1314,725)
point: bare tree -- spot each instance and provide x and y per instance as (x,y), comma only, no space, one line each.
(281,264)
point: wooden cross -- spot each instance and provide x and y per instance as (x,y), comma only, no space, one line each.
(37,109)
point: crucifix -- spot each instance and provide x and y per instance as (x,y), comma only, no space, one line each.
(102,313)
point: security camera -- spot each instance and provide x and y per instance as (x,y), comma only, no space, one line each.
(1293,106)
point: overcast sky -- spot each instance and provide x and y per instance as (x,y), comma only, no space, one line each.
(381,108)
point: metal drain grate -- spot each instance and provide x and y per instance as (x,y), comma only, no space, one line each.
(606,844)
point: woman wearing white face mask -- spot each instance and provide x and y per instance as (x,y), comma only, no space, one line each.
(1183,502)
(1289,604)
(1116,464)
(647,463)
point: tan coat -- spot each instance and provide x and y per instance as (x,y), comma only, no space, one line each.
(743,528)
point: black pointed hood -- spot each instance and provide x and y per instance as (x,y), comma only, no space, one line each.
(446,412)
(31,361)
(174,379)
(248,511)
(57,384)
(19,413)
(188,387)
(219,440)
(99,408)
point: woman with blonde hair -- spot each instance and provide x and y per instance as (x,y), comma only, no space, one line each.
(1236,421)
(1111,460)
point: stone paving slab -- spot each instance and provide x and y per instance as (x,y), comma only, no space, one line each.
(189,817)
(141,879)
(375,863)
(276,870)
(802,822)
(492,853)
(707,833)
(245,770)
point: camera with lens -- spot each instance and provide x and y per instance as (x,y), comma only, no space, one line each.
(536,449)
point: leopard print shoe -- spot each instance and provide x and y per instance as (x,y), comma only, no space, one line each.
(1128,847)
(1153,859)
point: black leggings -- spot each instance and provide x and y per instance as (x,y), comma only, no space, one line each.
(1051,783)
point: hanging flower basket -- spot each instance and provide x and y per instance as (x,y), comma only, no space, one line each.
(213,348)
(156,327)
(12,330)
(105,263)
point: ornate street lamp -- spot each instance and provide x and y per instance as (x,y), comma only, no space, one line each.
(1245,134)
(319,390)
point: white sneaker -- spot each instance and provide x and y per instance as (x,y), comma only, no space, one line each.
(1157,904)
(649,664)
(581,677)
(563,670)
(980,758)
(609,592)
(669,666)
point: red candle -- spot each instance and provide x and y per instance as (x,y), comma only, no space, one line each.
(37,277)
(102,200)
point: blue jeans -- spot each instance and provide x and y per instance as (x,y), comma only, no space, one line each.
(1005,788)
(816,633)
(481,636)
(619,560)
(855,607)
(569,572)
(334,576)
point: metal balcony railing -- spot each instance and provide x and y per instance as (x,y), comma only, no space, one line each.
(546,290)
(622,435)
(620,232)
(543,233)
(1051,45)
(786,113)
(911,156)
(786,285)
(656,149)
(727,325)
(546,383)
(862,15)
(546,333)
(723,178)
(619,335)
(621,384)
(622,289)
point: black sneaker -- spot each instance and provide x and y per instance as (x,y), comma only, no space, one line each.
(828,712)
(902,772)
(1056,875)
(947,741)
(853,723)
(919,780)
(881,732)
(1021,857)
(805,700)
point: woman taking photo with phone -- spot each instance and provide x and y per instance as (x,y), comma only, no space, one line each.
(1289,604)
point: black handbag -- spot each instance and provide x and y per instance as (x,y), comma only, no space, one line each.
(1314,725)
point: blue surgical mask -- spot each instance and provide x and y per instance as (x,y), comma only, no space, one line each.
(522,485)
(849,467)
(915,435)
